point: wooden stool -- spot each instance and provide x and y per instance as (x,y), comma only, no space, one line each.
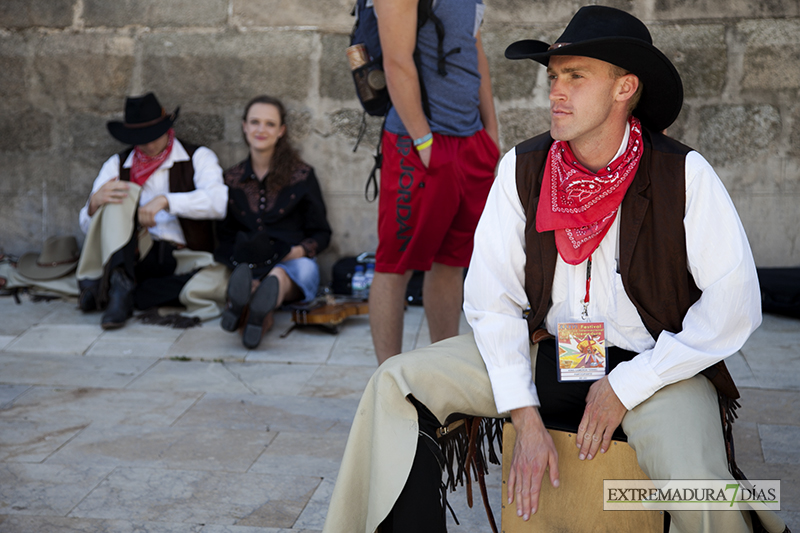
(577,505)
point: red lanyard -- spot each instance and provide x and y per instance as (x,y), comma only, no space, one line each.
(585,314)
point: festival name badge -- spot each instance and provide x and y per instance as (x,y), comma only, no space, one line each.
(581,351)
(582,345)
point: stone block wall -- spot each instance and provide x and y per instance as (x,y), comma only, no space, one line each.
(67,65)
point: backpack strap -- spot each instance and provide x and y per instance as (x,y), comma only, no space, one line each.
(425,13)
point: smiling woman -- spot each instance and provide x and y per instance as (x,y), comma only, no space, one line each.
(275,225)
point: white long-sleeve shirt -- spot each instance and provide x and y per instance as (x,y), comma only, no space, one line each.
(208,201)
(715,327)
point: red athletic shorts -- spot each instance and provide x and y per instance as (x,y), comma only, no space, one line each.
(428,215)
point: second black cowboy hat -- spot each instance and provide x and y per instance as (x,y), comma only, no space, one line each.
(621,39)
(145,121)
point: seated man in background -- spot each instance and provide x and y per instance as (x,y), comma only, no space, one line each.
(171,189)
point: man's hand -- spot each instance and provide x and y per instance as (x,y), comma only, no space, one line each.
(112,192)
(534,451)
(148,212)
(296,252)
(604,412)
(425,156)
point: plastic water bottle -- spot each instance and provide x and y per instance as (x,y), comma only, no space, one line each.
(369,275)
(358,283)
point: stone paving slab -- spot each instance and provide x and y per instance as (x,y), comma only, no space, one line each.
(41,489)
(135,340)
(208,497)
(68,313)
(310,348)
(106,407)
(338,382)
(8,393)
(771,350)
(25,441)
(209,343)
(788,474)
(271,413)
(767,406)
(281,379)
(302,454)
(68,339)
(5,340)
(165,447)
(18,318)
(747,441)
(200,376)
(779,443)
(136,331)
(740,371)
(71,371)
(313,516)
(354,344)
(106,347)
(28,524)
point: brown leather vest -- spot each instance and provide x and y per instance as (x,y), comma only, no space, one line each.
(652,248)
(199,234)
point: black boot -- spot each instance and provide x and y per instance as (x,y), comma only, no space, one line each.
(238,296)
(120,300)
(261,304)
(87,300)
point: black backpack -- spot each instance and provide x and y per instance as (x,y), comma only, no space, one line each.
(366,56)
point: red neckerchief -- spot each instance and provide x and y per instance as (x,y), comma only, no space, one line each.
(580,205)
(143,165)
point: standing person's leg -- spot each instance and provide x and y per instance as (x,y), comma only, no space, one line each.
(403,246)
(386,307)
(443,294)
(462,183)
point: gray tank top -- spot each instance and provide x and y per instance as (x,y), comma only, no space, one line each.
(453,98)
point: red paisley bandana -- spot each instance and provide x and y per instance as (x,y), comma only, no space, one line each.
(580,205)
(143,165)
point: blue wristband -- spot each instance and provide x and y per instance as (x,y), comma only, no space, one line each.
(423,139)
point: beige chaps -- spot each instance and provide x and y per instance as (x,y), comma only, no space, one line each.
(676,433)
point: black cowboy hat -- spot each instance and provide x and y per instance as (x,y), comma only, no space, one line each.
(145,121)
(616,37)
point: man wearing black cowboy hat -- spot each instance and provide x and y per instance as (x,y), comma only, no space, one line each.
(603,225)
(171,188)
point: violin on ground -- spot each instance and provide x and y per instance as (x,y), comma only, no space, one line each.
(327,312)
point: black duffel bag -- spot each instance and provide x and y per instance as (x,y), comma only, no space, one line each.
(780,290)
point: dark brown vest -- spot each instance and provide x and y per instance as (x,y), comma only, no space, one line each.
(199,234)
(652,248)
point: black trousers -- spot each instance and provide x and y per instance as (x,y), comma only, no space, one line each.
(420,508)
(154,275)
